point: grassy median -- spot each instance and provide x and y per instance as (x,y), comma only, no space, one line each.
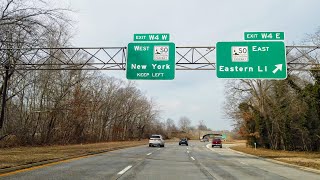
(307,159)
(11,157)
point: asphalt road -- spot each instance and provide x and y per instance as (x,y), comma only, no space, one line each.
(196,161)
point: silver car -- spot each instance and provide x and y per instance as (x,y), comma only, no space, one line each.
(204,140)
(156,140)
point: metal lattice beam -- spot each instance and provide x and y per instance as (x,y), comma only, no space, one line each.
(114,58)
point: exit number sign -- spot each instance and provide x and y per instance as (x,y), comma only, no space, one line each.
(151,37)
(264,36)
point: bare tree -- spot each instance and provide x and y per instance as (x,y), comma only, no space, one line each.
(170,127)
(184,124)
(57,106)
(23,24)
(202,126)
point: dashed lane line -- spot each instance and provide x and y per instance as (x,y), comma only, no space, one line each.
(125,170)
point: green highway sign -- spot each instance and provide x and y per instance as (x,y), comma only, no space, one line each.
(264,36)
(151,61)
(251,60)
(151,37)
(224,136)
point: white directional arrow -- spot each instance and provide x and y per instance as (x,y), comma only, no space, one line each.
(278,67)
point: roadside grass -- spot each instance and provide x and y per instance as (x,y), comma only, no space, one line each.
(237,142)
(306,159)
(11,157)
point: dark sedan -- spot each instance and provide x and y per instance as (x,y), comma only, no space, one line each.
(183,141)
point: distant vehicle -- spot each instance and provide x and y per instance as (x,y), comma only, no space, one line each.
(204,139)
(156,140)
(217,142)
(183,141)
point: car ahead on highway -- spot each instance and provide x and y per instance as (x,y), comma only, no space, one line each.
(204,140)
(183,141)
(217,142)
(156,140)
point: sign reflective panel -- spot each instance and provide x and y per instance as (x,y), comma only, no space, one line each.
(151,61)
(251,60)
(151,37)
(264,36)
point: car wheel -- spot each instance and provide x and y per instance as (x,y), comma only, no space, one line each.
(186,144)
(212,146)
(220,146)
(179,144)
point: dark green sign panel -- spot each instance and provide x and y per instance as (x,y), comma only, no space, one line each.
(151,61)
(251,60)
(151,37)
(264,36)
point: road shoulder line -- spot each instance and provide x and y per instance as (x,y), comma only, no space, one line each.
(278,162)
(36,165)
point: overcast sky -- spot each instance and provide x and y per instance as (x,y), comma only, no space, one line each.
(198,95)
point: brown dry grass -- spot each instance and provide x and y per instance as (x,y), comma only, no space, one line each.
(307,159)
(234,142)
(10,157)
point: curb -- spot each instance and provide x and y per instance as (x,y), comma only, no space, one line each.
(279,162)
(57,160)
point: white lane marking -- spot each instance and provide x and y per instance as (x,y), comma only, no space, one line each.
(149,154)
(209,146)
(125,169)
(192,158)
(187,151)
(159,148)
(187,148)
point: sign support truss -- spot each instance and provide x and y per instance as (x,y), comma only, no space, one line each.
(299,58)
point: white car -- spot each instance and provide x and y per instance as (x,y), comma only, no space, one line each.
(156,140)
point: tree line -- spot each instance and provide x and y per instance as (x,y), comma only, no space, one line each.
(64,106)
(57,106)
(278,114)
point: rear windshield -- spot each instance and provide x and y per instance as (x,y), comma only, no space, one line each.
(155,137)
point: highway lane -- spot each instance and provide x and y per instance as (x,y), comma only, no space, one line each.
(196,161)
(172,162)
(102,166)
